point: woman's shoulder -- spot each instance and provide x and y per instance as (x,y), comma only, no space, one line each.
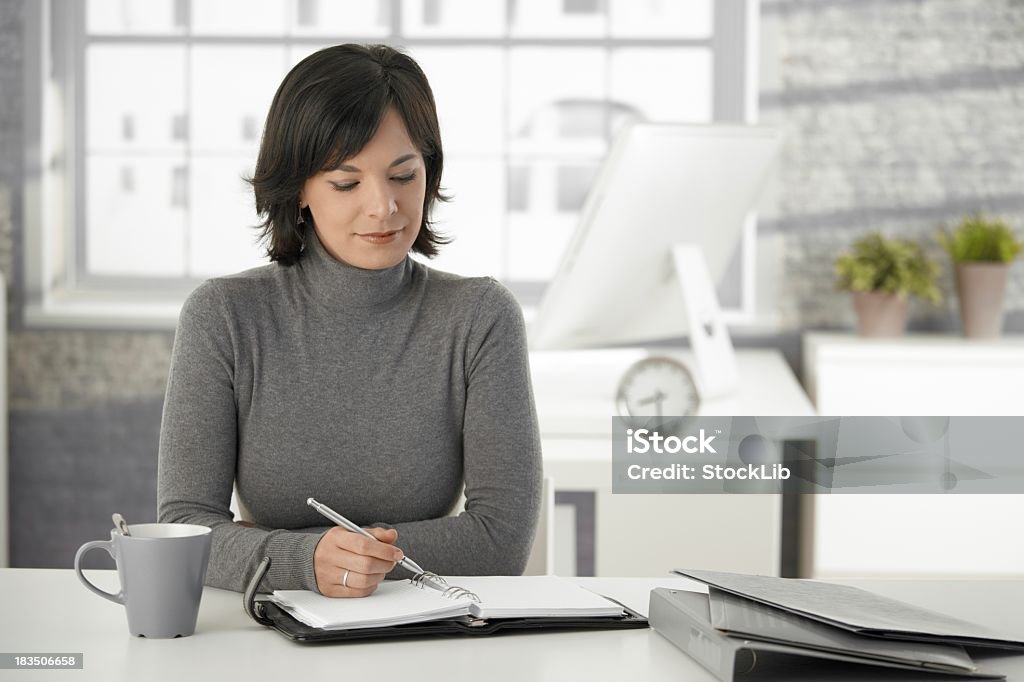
(481,298)
(228,291)
(479,290)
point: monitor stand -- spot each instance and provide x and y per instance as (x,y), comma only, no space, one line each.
(714,356)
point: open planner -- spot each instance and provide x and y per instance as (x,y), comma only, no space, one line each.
(398,602)
(400,607)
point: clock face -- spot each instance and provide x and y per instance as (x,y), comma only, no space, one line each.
(657,386)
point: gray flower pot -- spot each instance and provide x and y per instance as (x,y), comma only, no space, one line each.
(880,314)
(980,287)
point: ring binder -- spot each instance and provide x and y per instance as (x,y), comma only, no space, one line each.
(434,581)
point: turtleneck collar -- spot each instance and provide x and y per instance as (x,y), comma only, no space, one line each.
(340,285)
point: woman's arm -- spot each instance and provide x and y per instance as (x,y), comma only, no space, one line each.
(501,456)
(198,450)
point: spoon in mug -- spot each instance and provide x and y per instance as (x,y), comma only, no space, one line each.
(121,524)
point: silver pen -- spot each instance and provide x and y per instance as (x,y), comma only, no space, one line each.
(340,520)
(420,579)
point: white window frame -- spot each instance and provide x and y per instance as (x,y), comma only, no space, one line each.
(57,296)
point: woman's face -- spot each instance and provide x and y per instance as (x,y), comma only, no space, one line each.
(368,211)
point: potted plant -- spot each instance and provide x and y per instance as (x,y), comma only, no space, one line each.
(982,250)
(883,273)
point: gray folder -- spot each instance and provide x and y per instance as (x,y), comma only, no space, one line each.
(854,609)
(684,618)
(742,617)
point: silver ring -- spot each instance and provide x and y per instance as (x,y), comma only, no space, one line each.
(344,579)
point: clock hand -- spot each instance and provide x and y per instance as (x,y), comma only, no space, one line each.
(658,397)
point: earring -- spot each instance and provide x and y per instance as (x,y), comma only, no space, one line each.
(300,227)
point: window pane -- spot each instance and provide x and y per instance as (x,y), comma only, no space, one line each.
(474,217)
(551,93)
(537,240)
(573,183)
(559,18)
(240,17)
(135,216)
(661,18)
(638,78)
(371,18)
(453,18)
(231,118)
(469,88)
(548,194)
(136,16)
(221,237)
(126,107)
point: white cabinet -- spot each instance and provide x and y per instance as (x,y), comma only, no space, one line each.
(916,535)
(648,535)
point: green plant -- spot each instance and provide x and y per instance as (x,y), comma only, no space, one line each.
(980,239)
(891,266)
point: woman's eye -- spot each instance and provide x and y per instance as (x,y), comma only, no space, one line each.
(344,187)
(406,179)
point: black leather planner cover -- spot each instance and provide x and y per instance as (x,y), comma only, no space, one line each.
(298,631)
(268,613)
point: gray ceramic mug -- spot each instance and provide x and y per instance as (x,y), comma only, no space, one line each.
(162,567)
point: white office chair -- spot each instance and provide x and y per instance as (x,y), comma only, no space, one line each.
(542,554)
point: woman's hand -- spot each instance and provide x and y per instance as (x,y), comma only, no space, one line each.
(352,565)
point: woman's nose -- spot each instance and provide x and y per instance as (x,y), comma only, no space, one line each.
(381,201)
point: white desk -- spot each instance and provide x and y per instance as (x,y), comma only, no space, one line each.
(48,611)
(638,535)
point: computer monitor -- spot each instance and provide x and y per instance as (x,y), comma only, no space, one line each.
(661,185)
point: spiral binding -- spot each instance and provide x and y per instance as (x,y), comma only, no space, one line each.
(436,582)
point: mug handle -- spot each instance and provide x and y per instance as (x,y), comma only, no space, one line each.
(96,544)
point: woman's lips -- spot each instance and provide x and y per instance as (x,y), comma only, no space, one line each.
(381,237)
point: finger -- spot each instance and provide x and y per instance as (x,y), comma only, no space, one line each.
(359,581)
(385,535)
(339,592)
(360,544)
(346,583)
(361,563)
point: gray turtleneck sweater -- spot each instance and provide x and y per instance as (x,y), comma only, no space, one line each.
(378,392)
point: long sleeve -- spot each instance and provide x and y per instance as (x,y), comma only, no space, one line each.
(378,392)
(198,454)
(501,455)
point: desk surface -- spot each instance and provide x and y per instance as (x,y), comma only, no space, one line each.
(48,611)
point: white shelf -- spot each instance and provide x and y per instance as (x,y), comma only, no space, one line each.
(916,535)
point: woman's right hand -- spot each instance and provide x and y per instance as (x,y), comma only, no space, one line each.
(348,564)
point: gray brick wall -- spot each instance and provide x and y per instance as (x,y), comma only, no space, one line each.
(903,115)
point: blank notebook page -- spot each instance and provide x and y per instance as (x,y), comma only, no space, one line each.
(530,596)
(393,603)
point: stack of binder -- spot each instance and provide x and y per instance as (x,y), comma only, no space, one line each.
(762,625)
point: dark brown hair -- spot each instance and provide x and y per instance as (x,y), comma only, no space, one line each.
(325,111)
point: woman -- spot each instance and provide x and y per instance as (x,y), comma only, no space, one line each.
(346,370)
